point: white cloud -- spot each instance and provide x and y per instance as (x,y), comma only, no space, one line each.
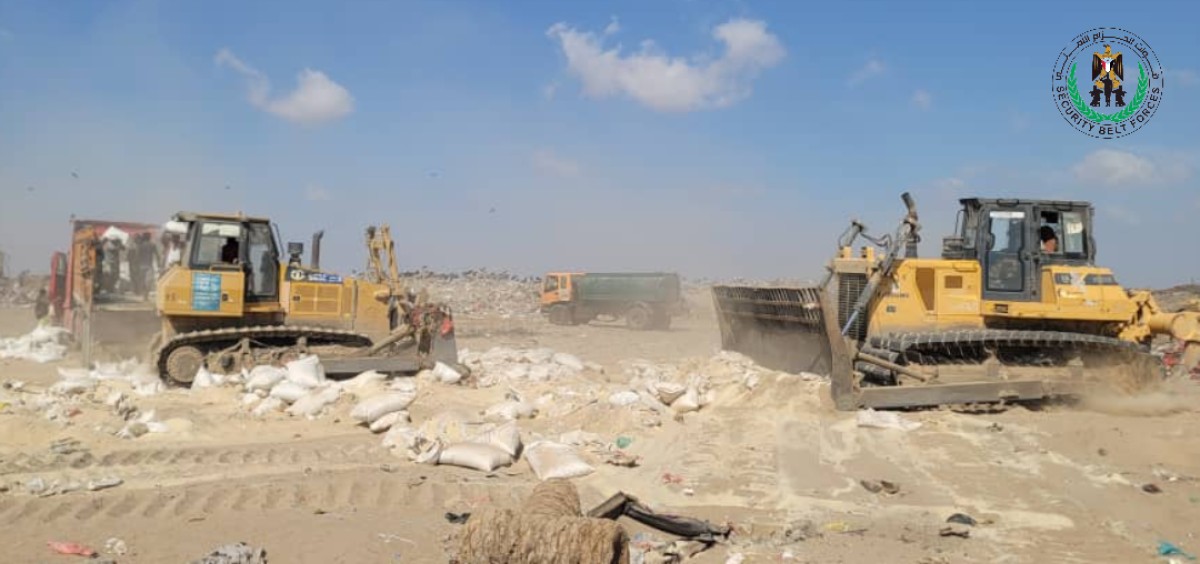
(922,99)
(315,193)
(549,90)
(316,99)
(547,163)
(1109,167)
(873,68)
(672,84)
(613,26)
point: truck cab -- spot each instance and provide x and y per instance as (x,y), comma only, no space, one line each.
(556,288)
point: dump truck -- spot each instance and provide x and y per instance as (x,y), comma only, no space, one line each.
(1016,308)
(101,288)
(647,300)
(230,301)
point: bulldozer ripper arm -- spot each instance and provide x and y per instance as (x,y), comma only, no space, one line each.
(1182,326)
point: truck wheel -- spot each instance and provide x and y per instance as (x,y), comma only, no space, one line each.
(662,321)
(638,317)
(560,315)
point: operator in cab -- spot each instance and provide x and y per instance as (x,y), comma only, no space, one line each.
(1049,239)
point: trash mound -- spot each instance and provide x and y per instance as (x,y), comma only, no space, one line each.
(696,383)
(239,553)
(43,344)
(22,290)
(505,365)
(480,292)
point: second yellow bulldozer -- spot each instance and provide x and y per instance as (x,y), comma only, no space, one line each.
(228,301)
(1015,308)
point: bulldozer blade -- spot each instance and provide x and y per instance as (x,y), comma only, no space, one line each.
(350,366)
(787,329)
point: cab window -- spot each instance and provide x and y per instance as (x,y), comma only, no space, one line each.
(551,284)
(216,243)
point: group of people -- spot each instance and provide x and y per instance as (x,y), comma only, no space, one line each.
(140,257)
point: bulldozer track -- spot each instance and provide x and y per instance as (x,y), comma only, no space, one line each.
(965,343)
(315,335)
(974,346)
(220,459)
(332,491)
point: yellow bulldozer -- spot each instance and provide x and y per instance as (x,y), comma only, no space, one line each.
(1015,309)
(228,302)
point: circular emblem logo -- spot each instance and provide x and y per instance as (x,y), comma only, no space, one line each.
(1107,83)
(297,275)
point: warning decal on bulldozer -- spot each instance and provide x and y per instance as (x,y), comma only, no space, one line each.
(206,291)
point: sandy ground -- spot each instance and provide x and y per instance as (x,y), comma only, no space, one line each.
(1046,484)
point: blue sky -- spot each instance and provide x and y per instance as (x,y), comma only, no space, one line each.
(537,135)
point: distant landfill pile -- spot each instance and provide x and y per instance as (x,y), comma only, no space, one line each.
(21,290)
(480,292)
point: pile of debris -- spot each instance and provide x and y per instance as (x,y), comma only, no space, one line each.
(43,344)
(480,292)
(695,383)
(1184,297)
(21,291)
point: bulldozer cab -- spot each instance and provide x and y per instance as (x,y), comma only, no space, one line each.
(1013,239)
(219,243)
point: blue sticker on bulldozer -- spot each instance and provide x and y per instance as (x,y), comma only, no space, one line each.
(206,291)
(300,275)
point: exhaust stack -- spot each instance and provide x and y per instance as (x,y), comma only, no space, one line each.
(316,249)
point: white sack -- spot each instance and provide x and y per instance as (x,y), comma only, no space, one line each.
(267,406)
(623,398)
(477,456)
(506,437)
(388,421)
(306,371)
(311,404)
(288,391)
(690,401)
(372,408)
(264,377)
(555,460)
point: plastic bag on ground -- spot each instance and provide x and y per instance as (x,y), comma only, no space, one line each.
(306,371)
(667,392)
(477,456)
(885,420)
(372,408)
(569,360)
(623,398)
(288,391)
(314,402)
(509,410)
(555,460)
(689,401)
(445,374)
(204,379)
(400,436)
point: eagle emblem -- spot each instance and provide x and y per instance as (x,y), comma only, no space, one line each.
(1108,71)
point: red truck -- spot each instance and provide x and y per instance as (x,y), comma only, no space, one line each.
(102,289)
